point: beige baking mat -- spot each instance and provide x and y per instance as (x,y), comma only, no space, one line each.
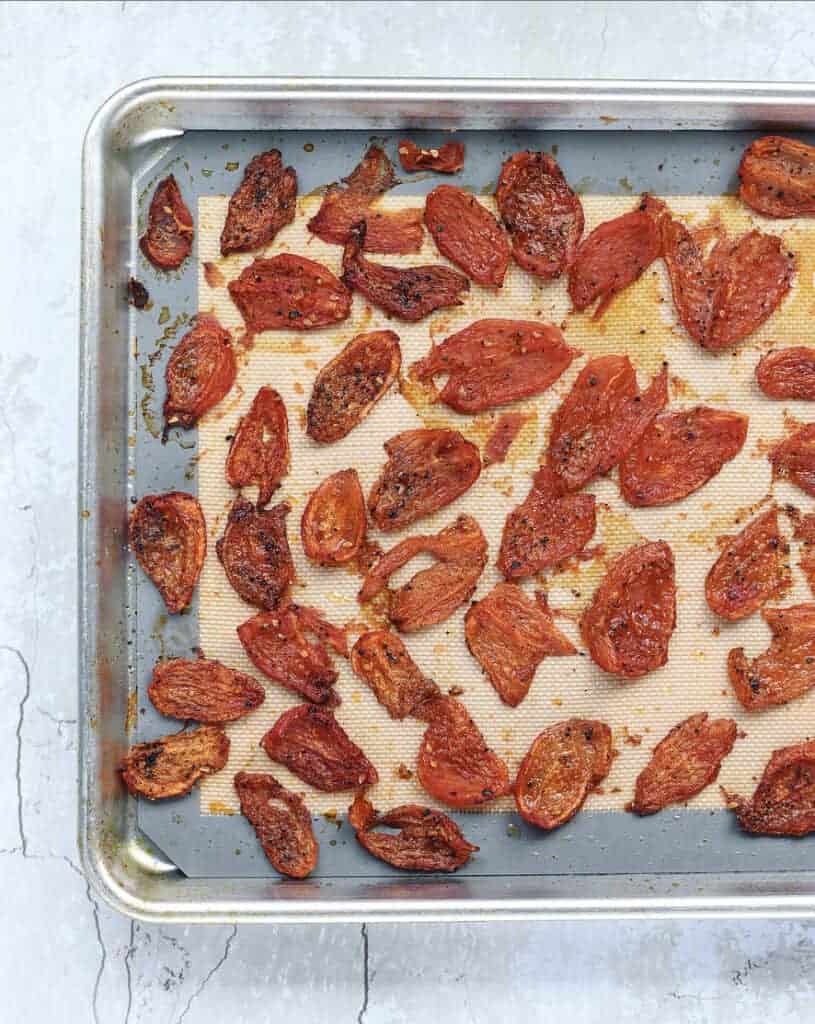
(641,323)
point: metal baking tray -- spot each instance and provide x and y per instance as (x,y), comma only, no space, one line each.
(170,863)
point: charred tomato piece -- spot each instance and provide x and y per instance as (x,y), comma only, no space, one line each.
(172,765)
(510,635)
(502,437)
(266,200)
(455,765)
(542,214)
(433,594)
(203,691)
(168,239)
(281,822)
(788,373)
(259,452)
(784,801)
(683,763)
(427,840)
(168,536)
(678,453)
(310,742)
(409,293)
(805,532)
(137,294)
(426,470)
(493,362)
(601,419)
(347,388)
(254,552)
(467,234)
(447,159)
(200,372)
(751,569)
(383,662)
(777,177)
(289,293)
(333,525)
(632,615)
(786,670)
(794,458)
(564,764)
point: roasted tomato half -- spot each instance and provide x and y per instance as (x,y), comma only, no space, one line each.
(679,452)
(615,255)
(601,419)
(289,293)
(778,177)
(200,372)
(546,528)
(383,662)
(397,231)
(266,200)
(203,691)
(493,362)
(455,765)
(310,742)
(433,594)
(276,643)
(794,458)
(426,470)
(168,536)
(752,569)
(632,615)
(502,437)
(786,670)
(447,159)
(722,298)
(172,765)
(805,532)
(427,840)
(510,635)
(254,552)
(467,234)
(259,452)
(542,214)
(281,821)
(333,525)
(168,239)
(409,293)
(784,801)
(347,388)
(788,373)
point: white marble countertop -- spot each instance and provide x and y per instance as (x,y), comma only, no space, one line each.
(63,957)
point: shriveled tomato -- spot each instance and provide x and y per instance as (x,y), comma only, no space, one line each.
(172,765)
(601,419)
(289,293)
(632,615)
(333,524)
(546,528)
(777,177)
(168,536)
(684,763)
(615,254)
(723,297)
(467,234)
(397,231)
(752,568)
(203,691)
(794,458)
(433,594)
(564,764)
(805,532)
(265,201)
(510,635)
(784,801)
(788,373)
(409,293)
(259,452)
(447,159)
(542,214)
(502,437)
(679,452)
(426,470)
(254,552)
(276,643)
(137,294)
(455,765)
(168,239)
(312,744)
(383,662)
(493,362)
(786,670)
(200,372)
(427,840)
(281,821)
(347,388)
